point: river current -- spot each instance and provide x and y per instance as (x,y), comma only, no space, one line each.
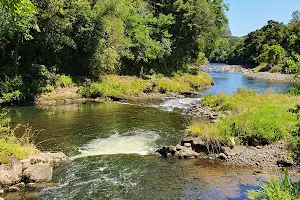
(112,145)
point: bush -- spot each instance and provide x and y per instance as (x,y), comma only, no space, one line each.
(295,90)
(63,81)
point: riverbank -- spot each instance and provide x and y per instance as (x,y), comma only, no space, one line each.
(122,88)
(252,73)
(245,128)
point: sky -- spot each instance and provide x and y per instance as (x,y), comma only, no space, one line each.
(249,15)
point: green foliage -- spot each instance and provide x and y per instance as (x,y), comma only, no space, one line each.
(113,85)
(278,188)
(275,45)
(63,81)
(263,117)
(295,90)
(88,39)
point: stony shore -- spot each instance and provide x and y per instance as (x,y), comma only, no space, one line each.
(275,77)
(263,158)
(32,172)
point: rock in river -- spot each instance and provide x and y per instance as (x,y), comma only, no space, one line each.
(41,172)
(11,174)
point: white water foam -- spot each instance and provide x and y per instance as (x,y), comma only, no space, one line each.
(136,142)
(181,103)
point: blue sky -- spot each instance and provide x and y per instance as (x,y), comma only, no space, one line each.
(249,15)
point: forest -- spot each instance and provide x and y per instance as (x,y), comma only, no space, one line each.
(45,41)
(275,47)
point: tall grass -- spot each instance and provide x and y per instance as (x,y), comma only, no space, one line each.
(261,117)
(12,146)
(279,188)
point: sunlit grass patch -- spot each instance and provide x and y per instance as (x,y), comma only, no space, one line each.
(114,85)
(12,146)
(260,117)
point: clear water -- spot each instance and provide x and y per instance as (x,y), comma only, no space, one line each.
(111,147)
(228,82)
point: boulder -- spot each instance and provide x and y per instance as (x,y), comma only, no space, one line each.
(41,172)
(11,174)
(20,185)
(13,189)
(1,191)
(25,163)
(285,161)
(188,145)
(1,198)
(228,151)
(222,156)
(48,157)
(178,147)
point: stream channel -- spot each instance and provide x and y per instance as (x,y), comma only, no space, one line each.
(111,148)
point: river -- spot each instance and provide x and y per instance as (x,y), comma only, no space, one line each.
(111,148)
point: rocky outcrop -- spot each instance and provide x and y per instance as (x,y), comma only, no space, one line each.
(178,151)
(35,169)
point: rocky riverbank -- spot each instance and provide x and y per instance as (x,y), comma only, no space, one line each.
(276,77)
(27,173)
(260,157)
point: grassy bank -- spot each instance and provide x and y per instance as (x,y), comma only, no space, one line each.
(12,146)
(120,86)
(251,118)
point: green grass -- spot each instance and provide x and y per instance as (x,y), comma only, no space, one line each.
(278,188)
(10,145)
(262,117)
(113,85)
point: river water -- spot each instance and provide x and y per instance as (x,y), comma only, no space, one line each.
(111,148)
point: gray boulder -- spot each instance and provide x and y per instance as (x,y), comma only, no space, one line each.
(12,173)
(41,172)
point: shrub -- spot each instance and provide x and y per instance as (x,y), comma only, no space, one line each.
(63,81)
(295,90)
